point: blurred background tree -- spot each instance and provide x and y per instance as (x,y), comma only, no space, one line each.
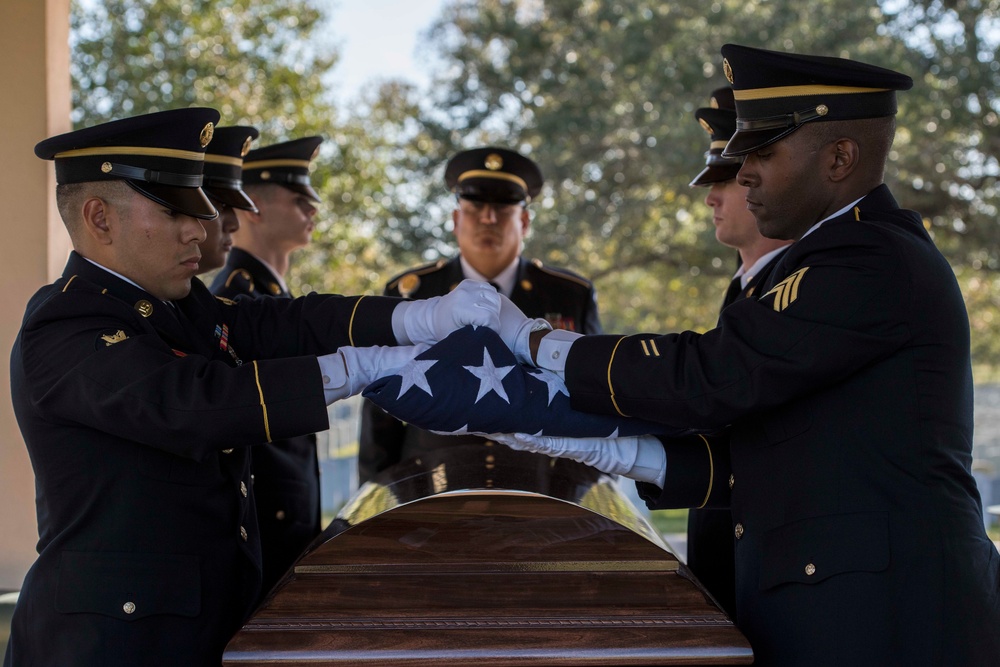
(600,93)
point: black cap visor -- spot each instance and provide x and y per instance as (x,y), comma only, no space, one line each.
(716,173)
(189,201)
(230,197)
(302,188)
(491,191)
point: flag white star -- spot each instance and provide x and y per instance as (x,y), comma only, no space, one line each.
(551,380)
(490,377)
(414,374)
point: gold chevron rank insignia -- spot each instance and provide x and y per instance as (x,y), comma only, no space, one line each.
(112,338)
(787,291)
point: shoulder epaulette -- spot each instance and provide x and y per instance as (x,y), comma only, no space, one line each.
(561,273)
(241,274)
(408,282)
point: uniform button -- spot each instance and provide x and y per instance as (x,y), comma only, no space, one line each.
(739,530)
(243,489)
(732,480)
(810,569)
(128,607)
(280,515)
(227,451)
(243,533)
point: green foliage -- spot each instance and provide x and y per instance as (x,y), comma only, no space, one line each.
(600,93)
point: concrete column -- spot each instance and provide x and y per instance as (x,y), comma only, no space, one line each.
(34,77)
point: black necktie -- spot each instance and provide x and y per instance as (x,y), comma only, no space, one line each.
(734,291)
(496,287)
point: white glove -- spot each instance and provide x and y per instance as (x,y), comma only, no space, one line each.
(641,458)
(364,365)
(429,320)
(515,330)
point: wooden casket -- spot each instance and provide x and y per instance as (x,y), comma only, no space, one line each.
(479,554)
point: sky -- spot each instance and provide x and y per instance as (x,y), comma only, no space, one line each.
(377,40)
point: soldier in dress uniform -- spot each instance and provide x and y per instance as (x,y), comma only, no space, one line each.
(710,542)
(846,383)
(286,475)
(224,186)
(492,187)
(139,393)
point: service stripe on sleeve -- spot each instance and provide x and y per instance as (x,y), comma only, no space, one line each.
(711,471)
(263,406)
(350,325)
(611,388)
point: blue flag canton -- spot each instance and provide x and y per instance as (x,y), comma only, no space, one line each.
(470,382)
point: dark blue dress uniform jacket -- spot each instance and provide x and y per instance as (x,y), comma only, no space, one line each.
(285,475)
(137,428)
(859,533)
(710,543)
(564,298)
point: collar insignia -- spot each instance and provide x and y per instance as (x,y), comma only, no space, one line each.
(111,339)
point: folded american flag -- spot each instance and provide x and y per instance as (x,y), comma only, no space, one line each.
(470,382)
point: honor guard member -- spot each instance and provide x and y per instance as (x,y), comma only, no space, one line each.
(710,541)
(492,187)
(138,394)
(224,186)
(846,381)
(286,475)
(276,178)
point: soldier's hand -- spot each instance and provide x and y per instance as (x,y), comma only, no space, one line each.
(472,302)
(515,330)
(615,456)
(364,365)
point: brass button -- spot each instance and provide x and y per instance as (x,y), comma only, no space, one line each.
(227,451)
(243,489)
(810,569)
(732,480)
(280,515)
(739,530)
(243,533)
(128,607)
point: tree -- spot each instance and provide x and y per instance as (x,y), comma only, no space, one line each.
(601,93)
(259,62)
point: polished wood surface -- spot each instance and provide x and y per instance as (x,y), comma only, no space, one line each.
(486,555)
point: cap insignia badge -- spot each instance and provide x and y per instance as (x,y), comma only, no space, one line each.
(705,126)
(493,162)
(727,70)
(246,147)
(206,134)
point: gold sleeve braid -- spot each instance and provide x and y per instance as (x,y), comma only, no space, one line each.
(611,388)
(711,471)
(263,405)
(350,325)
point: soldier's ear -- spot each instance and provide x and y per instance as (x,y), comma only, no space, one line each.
(97,216)
(844,158)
